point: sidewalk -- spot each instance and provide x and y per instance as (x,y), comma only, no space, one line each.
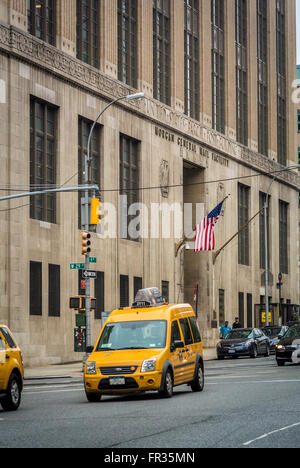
(74,370)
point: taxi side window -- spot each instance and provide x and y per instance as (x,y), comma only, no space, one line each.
(195,329)
(2,345)
(8,337)
(175,332)
(186,331)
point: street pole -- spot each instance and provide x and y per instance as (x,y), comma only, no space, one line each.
(87,165)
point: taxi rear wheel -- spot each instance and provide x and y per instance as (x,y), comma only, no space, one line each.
(198,383)
(12,400)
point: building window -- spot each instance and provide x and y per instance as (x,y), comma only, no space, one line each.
(35,288)
(165,290)
(137,285)
(283,237)
(99,295)
(41,19)
(129,180)
(241,308)
(127,42)
(221,306)
(54,291)
(124,291)
(42,159)
(281,82)
(243,218)
(249,311)
(191,58)
(298,120)
(262,247)
(262,59)
(87,29)
(218,69)
(241,72)
(84,128)
(161,50)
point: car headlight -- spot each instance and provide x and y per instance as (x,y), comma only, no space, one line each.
(91,367)
(148,365)
(279,346)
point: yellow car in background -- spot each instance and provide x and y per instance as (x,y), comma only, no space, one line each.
(11,371)
(150,346)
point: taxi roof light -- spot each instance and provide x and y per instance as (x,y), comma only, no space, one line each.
(148,297)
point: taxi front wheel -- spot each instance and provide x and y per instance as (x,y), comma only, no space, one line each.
(12,400)
(167,391)
(93,397)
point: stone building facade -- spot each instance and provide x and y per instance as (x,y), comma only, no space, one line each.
(217,120)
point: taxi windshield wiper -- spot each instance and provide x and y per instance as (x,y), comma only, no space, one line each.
(134,347)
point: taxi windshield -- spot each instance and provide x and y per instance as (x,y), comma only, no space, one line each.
(148,334)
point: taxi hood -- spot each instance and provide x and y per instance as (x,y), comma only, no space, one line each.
(123,356)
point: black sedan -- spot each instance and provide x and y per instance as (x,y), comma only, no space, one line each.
(288,348)
(244,342)
(274,333)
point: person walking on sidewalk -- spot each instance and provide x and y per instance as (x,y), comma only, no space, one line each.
(237,323)
(224,330)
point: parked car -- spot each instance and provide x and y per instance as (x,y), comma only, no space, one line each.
(244,342)
(150,346)
(11,371)
(274,333)
(288,348)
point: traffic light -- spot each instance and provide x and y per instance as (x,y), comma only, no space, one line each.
(85,242)
(96,213)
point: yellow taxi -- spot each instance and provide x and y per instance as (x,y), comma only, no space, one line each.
(11,371)
(150,346)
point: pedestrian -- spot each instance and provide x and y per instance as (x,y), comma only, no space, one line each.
(237,323)
(224,330)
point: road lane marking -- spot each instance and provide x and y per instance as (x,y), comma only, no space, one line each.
(254,382)
(264,436)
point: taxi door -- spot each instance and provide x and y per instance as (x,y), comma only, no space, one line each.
(189,354)
(177,358)
(3,364)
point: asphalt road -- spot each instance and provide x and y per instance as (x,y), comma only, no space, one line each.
(246,404)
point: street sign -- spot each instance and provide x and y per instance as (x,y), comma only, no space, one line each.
(89,274)
(77,266)
(93,260)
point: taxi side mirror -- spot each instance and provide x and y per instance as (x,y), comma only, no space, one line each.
(176,344)
(89,349)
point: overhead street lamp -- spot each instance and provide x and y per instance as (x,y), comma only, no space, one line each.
(266,209)
(87,164)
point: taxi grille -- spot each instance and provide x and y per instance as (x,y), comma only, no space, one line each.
(118,370)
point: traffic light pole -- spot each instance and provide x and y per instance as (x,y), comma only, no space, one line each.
(87,165)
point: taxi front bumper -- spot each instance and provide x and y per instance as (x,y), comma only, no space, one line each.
(139,381)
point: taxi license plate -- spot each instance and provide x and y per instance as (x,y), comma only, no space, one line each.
(117,381)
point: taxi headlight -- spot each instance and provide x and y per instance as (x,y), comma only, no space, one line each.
(91,367)
(148,365)
(279,346)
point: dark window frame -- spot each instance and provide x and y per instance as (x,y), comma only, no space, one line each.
(241,72)
(218,65)
(262,64)
(43,161)
(191,59)
(283,237)
(35,288)
(127,42)
(243,218)
(161,50)
(41,15)
(281,82)
(124,291)
(262,255)
(53,290)
(99,293)
(88,39)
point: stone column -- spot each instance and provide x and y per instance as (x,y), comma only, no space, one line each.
(230,70)
(16,13)
(66,26)
(109,38)
(291,107)
(272,80)
(145,48)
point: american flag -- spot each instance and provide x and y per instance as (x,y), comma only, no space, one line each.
(205,238)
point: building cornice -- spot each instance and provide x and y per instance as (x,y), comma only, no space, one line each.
(28,48)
